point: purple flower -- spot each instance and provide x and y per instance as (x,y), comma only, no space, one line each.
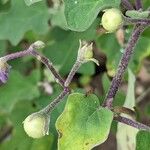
(4,71)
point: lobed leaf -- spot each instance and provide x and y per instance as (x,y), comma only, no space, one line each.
(21,18)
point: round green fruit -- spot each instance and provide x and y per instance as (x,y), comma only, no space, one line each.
(112,19)
(34,126)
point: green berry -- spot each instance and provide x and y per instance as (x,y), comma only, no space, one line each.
(112,19)
(36,125)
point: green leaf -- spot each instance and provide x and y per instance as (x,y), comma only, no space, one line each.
(126,135)
(58,17)
(83,124)
(80,14)
(22,19)
(2,47)
(17,88)
(143,140)
(30,2)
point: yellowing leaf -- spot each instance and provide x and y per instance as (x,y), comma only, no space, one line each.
(83,123)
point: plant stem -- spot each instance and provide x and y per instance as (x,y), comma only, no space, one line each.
(132,123)
(58,99)
(17,54)
(138,29)
(74,69)
(49,65)
(32,51)
(127,5)
(138,4)
(135,21)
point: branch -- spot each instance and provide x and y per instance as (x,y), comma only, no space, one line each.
(57,100)
(138,4)
(127,5)
(49,65)
(135,21)
(132,123)
(32,51)
(74,69)
(17,54)
(123,65)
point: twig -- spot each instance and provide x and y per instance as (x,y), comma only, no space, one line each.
(49,65)
(58,99)
(17,54)
(127,5)
(135,21)
(74,69)
(132,123)
(138,4)
(32,51)
(123,65)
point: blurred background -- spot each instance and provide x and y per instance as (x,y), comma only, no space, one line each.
(31,86)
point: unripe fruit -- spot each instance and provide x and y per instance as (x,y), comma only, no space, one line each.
(112,19)
(36,125)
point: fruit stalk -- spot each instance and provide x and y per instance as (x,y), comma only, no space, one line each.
(54,103)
